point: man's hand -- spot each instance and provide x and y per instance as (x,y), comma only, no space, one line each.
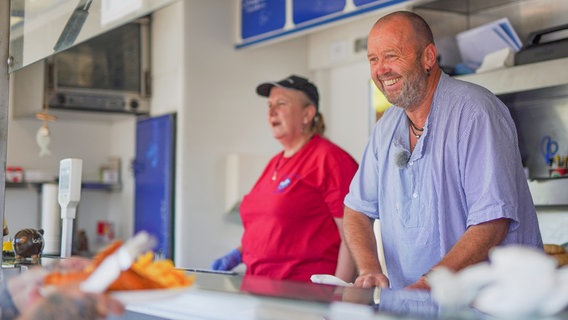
(371,280)
(421,284)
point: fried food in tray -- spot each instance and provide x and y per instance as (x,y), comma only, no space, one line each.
(144,274)
(561,258)
(551,248)
(557,252)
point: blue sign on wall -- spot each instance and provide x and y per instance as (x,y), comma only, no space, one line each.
(263,20)
(306,10)
(359,3)
(262,16)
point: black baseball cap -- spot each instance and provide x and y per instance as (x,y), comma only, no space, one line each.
(292,82)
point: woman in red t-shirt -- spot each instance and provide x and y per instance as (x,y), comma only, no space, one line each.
(293,215)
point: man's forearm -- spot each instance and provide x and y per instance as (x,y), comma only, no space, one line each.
(473,247)
(361,241)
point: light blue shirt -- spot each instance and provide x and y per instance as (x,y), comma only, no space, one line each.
(465,170)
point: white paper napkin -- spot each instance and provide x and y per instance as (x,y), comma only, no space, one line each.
(329,279)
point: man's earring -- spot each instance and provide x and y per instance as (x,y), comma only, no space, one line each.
(428,71)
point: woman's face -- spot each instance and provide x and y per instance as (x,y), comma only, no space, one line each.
(287,114)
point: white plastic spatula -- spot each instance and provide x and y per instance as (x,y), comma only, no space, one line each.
(111,267)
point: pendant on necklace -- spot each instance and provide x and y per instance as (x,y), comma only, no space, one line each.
(414,129)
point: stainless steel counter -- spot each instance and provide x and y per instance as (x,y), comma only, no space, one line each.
(220,296)
(234,297)
(217,296)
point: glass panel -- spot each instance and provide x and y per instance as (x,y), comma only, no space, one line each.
(40,28)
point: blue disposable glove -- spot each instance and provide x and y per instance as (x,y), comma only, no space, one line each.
(228,261)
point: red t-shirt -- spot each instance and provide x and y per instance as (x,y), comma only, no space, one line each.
(289,227)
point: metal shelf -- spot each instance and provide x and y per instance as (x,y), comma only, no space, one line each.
(87,185)
(549,192)
(543,74)
(101,186)
(24,185)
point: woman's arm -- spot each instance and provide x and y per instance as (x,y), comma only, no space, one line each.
(345,270)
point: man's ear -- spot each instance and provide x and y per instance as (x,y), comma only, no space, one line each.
(429,56)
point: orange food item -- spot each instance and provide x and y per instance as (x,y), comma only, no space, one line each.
(65,277)
(145,273)
(130,280)
(60,278)
(162,271)
(105,252)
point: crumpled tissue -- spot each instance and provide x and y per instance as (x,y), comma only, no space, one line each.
(517,282)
